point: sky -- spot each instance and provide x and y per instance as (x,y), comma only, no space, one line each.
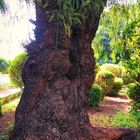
(15,28)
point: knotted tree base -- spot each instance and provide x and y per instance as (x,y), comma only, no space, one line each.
(53,105)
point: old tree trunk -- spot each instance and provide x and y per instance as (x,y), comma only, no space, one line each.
(57,77)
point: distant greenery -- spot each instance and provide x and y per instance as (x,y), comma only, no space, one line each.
(5,135)
(75,12)
(4,65)
(133,92)
(118,38)
(114,68)
(15,70)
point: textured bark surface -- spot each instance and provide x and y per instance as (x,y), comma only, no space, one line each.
(57,78)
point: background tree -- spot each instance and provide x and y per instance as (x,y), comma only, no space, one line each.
(4,65)
(121,25)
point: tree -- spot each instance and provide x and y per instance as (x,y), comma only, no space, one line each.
(4,65)
(59,72)
(121,24)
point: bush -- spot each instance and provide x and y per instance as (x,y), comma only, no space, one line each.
(95,95)
(126,76)
(133,92)
(4,65)
(15,70)
(106,80)
(6,134)
(135,111)
(117,86)
(115,69)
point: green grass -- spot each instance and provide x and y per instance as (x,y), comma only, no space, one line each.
(124,120)
(4,86)
(11,106)
(5,135)
(117,120)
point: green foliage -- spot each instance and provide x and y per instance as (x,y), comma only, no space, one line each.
(6,99)
(106,80)
(15,70)
(5,135)
(101,46)
(130,43)
(120,119)
(118,38)
(74,12)
(126,76)
(9,98)
(95,95)
(135,111)
(117,86)
(133,92)
(4,65)
(114,68)
(132,70)
(3,6)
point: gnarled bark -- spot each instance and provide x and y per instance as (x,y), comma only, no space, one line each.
(56,83)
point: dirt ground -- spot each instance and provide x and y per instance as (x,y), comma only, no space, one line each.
(6,120)
(109,106)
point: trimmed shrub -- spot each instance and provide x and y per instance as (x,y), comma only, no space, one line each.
(4,65)
(106,80)
(95,95)
(133,92)
(117,86)
(15,70)
(115,69)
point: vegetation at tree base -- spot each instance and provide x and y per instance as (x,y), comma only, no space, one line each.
(15,70)
(4,65)
(5,135)
(133,92)
(73,13)
(95,95)
(135,111)
(119,119)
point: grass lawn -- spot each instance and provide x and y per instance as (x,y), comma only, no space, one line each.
(119,119)
(11,106)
